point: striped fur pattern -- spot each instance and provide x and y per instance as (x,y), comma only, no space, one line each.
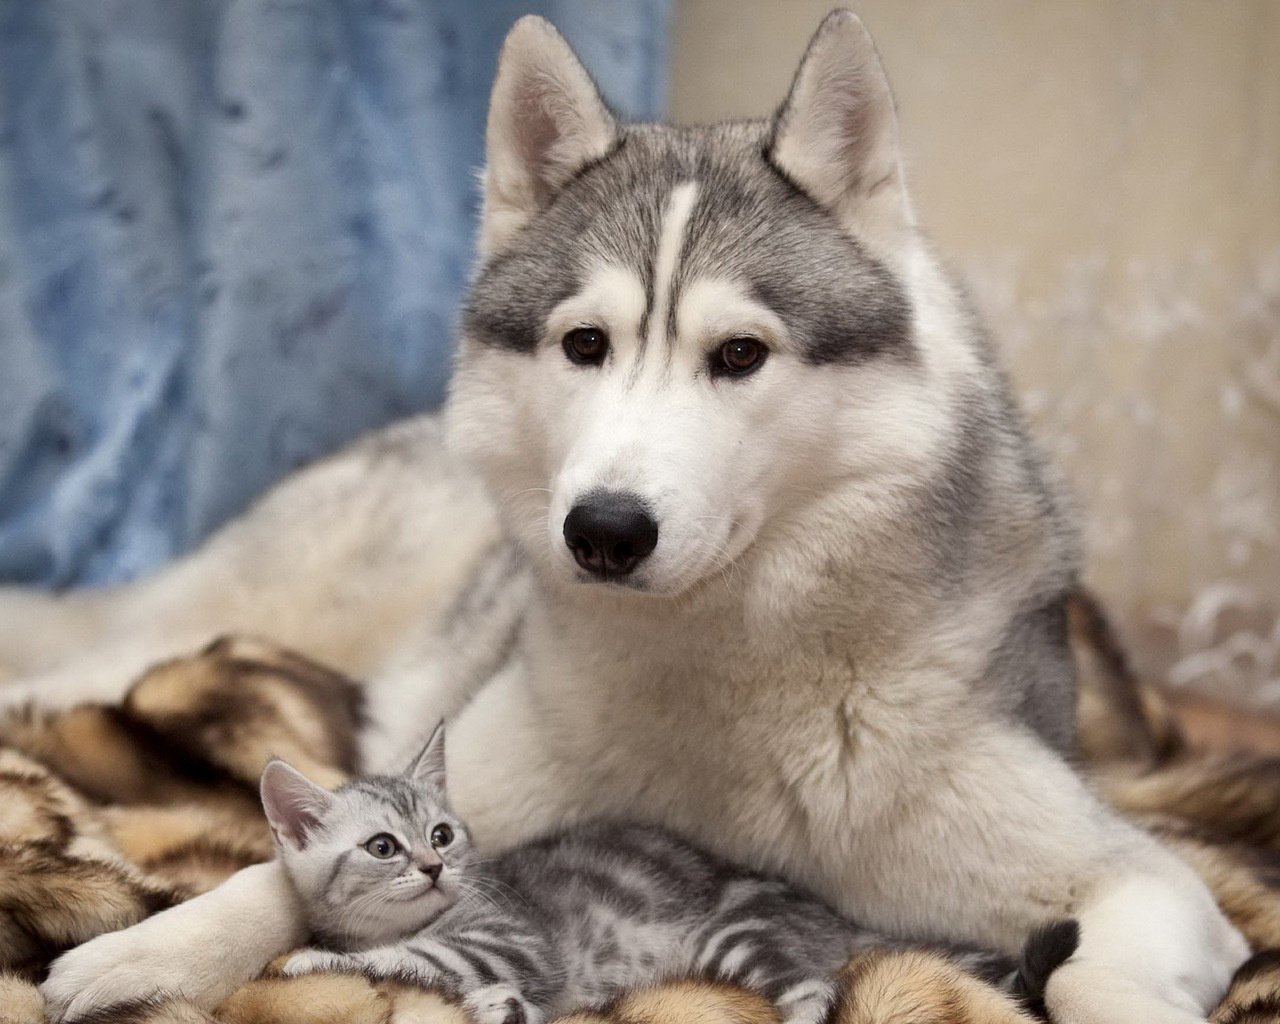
(20,1002)
(318,999)
(337,999)
(1254,997)
(682,1002)
(915,987)
(108,814)
(376,860)
(128,782)
(561,923)
(62,879)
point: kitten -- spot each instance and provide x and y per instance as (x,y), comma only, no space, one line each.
(392,888)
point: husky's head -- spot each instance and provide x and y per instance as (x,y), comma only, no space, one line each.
(677,338)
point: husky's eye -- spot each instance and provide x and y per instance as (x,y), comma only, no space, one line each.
(738,357)
(382,846)
(441,835)
(586,346)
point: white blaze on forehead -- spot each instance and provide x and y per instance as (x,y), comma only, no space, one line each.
(666,262)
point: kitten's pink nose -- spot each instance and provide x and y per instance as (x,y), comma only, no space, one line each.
(432,871)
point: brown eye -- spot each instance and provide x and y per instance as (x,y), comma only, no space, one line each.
(586,346)
(738,356)
(441,835)
(382,846)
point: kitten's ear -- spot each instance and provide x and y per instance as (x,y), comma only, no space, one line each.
(294,804)
(546,121)
(428,767)
(836,135)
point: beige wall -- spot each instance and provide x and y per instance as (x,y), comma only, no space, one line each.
(1106,175)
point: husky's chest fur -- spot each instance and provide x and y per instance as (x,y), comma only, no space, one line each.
(796,731)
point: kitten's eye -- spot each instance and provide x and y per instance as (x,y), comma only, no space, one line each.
(441,835)
(382,846)
(586,346)
(738,357)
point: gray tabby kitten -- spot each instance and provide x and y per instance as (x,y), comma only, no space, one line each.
(392,889)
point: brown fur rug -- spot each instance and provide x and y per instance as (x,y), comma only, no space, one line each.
(108,814)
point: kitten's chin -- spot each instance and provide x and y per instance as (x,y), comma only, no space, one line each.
(392,921)
(396,916)
(407,914)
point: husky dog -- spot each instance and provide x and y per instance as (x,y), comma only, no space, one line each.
(737,533)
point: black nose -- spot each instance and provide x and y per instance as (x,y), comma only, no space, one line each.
(432,871)
(610,532)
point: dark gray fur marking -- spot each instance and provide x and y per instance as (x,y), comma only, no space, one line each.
(748,223)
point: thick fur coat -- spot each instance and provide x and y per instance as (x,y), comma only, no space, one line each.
(111,814)
(732,526)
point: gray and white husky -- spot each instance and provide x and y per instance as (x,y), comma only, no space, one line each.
(736,532)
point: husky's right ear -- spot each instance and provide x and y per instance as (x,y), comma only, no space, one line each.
(294,804)
(546,121)
(836,135)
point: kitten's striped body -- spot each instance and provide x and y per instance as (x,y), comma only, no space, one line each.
(630,905)
(563,923)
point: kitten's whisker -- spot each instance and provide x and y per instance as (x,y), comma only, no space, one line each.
(494,883)
(360,910)
(472,892)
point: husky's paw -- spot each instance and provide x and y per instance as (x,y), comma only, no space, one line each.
(311,961)
(1087,993)
(110,969)
(499,1004)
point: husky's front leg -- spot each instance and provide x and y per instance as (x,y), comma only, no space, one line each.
(1034,843)
(1154,947)
(202,949)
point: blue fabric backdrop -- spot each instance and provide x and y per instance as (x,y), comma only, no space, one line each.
(233,235)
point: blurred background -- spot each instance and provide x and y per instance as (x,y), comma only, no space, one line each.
(233,234)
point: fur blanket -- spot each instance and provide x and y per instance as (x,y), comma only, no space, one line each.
(108,814)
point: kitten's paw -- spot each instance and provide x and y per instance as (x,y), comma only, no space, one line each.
(310,961)
(499,1004)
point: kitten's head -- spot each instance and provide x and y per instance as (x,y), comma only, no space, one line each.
(376,859)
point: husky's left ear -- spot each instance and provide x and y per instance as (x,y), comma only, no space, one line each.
(836,135)
(428,767)
(546,121)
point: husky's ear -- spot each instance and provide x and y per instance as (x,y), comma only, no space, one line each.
(836,135)
(546,121)
(428,767)
(294,804)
